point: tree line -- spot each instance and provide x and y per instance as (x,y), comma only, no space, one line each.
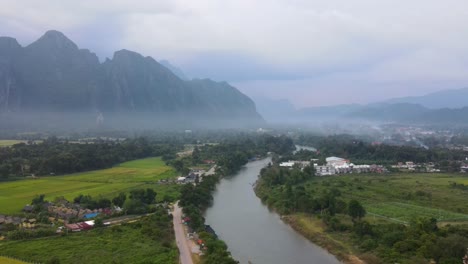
(54,157)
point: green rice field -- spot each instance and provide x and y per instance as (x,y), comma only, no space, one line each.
(8,142)
(142,173)
(403,197)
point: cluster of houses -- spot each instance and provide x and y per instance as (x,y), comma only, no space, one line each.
(335,165)
(25,223)
(62,212)
(191,234)
(192,177)
(66,212)
(411,166)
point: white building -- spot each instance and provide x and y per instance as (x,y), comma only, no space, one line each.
(291,163)
(288,164)
(324,170)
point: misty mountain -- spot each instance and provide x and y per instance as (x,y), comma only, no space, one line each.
(457,116)
(174,69)
(404,113)
(53,75)
(388,112)
(328,112)
(274,110)
(456,98)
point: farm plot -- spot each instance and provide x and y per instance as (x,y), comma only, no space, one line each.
(142,173)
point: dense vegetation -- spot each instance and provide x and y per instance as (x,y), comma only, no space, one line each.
(150,240)
(54,157)
(384,219)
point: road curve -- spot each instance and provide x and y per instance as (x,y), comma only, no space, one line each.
(184,249)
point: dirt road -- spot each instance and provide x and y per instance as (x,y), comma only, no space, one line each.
(181,239)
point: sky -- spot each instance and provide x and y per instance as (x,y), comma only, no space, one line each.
(311,52)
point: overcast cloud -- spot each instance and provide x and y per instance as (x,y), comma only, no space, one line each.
(311,52)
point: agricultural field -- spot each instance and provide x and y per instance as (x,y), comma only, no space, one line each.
(146,241)
(5,260)
(10,142)
(402,197)
(130,175)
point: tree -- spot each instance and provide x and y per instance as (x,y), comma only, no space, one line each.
(98,222)
(38,200)
(150,196)
(119,200)
(356,210)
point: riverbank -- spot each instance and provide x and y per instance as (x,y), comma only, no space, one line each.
(379,219)
(313,229)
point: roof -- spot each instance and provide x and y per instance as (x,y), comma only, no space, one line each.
(91,215)
(329,159)
(287,164)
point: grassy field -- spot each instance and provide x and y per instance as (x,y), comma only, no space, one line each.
(142,173)
(8,142)
(5,260)
(403,197)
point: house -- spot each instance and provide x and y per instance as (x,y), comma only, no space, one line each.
(181,179)
(336,161)
(288,164)
(464,168)
(324,170)
(79,226)
(28,208)
(209,161)
(191,178)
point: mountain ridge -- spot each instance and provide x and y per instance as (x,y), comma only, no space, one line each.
(54,74)
(450,98)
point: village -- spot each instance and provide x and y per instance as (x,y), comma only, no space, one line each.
(335,165)
(338,166)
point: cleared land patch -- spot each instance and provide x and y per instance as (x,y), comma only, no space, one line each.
(142,173)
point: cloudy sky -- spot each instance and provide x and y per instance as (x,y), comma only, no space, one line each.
(312,52)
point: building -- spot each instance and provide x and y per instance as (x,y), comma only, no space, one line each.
(82,226)
(464,168)
(288,164)
(336,165)
(324,170)
(291,163)
(335,161)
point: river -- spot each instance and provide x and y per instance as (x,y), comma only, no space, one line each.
(251,231)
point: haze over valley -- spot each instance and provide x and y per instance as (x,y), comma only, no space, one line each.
(234,132)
